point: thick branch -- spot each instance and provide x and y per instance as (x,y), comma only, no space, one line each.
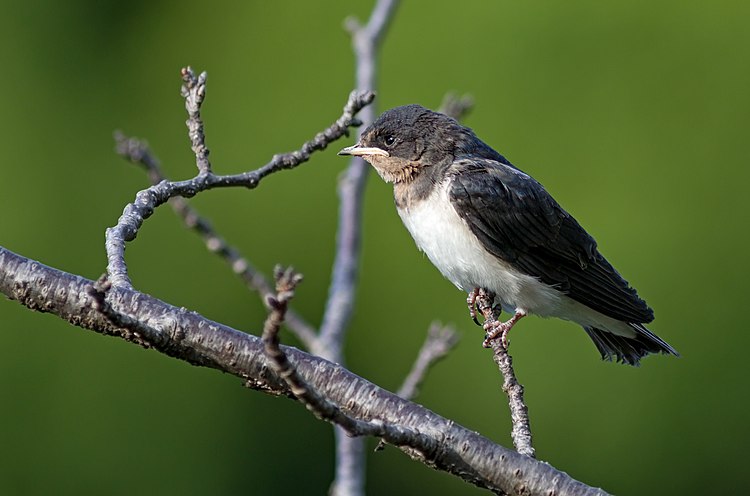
(188,336)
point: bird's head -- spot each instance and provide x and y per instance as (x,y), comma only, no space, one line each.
(404,141)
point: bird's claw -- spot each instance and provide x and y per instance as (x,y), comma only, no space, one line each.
(471,301)
(495,329)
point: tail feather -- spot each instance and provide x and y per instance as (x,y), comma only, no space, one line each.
(629,350)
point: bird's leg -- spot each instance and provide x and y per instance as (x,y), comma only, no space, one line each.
(496,328)
(471,300)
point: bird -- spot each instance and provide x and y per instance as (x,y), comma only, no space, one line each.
(486,224)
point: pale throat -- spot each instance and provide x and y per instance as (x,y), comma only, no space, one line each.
(393,170)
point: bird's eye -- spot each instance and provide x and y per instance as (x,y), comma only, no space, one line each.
(389,140)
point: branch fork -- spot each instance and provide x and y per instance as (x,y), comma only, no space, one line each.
(286,282)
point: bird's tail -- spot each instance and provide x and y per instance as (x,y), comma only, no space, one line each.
(629,350)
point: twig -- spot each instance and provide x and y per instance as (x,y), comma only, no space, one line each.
(194,91)
(455,106)
(139,153)
(519,413)
(286,282)
(439,342)
(149,199)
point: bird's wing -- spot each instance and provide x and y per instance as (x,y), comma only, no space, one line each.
(518,221)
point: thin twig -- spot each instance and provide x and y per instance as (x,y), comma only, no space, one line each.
(439,342)
(456,106)
(138,152)
(194,91)
(519,413)
(147,200)
(286,282)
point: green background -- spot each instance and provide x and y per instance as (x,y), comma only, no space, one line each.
(634,115)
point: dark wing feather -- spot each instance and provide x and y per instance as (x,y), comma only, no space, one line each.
(517,220)
(629,350)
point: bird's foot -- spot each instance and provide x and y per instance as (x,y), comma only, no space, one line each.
(471,301)
(495,329)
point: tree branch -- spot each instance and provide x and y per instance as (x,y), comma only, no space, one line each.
(286,282)
(340,303)
(439,342)
(138,152)
(149,199)
(358,408)
(519,413)
(455,106)
(194,91)
(349,479)
(188,336)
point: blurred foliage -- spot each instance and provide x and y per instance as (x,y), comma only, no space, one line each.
(634,115)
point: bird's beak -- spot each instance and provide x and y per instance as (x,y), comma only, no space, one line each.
(358,151)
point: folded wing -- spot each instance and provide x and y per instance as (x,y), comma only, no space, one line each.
(518,221)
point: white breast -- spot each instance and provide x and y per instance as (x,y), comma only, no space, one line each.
(451,246)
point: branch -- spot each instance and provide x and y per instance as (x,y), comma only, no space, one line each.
(519,413)
(350,478)
(194,91)
(149,199)
(350,460)
(455,106)
(138,152)
(133,330)
(340,302)
(439,342)
(188,336)
(286,282)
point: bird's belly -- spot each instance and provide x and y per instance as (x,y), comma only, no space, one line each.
(451,246)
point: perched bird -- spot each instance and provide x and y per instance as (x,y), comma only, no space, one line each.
(484,223)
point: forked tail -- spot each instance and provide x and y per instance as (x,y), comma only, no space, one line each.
(629,350)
